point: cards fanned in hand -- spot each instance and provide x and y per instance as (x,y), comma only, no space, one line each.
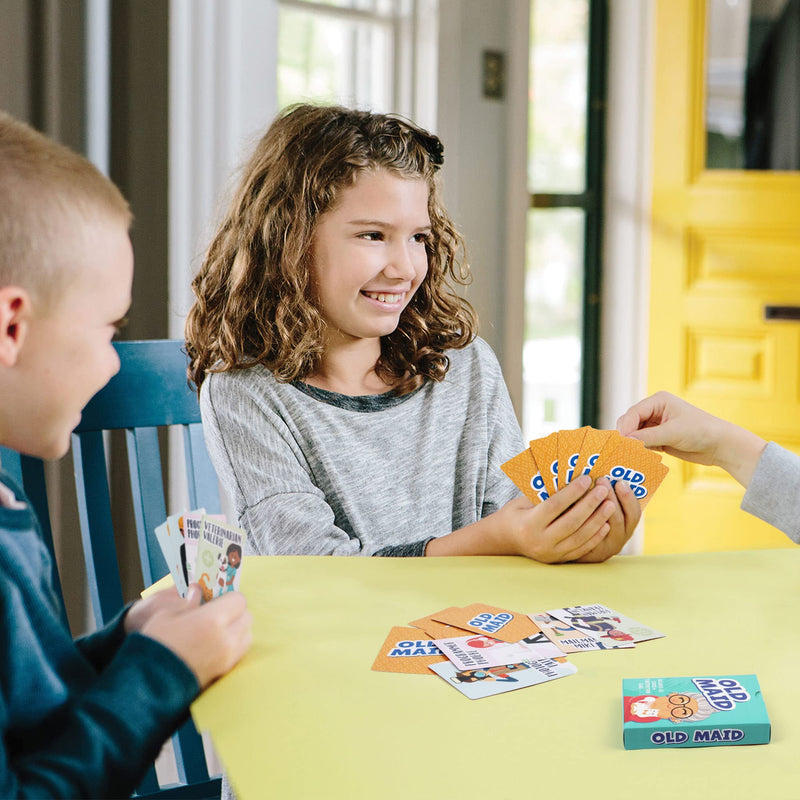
(550,463)
(202,548)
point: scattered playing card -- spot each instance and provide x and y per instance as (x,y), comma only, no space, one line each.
(477,683)
(604,623)
(489,620)
(566,637)
(407,650)
(476,651)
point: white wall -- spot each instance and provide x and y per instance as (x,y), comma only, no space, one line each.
(625,295)
(474,130)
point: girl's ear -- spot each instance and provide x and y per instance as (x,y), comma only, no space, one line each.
(15,313)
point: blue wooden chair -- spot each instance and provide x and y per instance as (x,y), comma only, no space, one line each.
(149,392)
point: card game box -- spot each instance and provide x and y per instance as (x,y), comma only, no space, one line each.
(693,712)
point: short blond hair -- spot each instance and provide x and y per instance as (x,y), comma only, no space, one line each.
(48,193)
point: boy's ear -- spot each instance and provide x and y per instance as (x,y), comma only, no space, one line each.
(15,313)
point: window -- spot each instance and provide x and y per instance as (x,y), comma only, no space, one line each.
(361,53)
(562,273)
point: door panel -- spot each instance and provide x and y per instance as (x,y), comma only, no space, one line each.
(725,244)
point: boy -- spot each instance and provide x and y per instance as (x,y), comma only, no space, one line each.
(82,718)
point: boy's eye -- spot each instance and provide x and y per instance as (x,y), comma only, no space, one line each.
(371,236)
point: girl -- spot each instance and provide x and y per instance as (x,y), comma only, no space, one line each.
(347,404)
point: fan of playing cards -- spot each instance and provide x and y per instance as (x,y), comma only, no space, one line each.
(202,548)
(552,462)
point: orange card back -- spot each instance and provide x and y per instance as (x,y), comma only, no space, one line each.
(630,461)
(545,454)
(407,650)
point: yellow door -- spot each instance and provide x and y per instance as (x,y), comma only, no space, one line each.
(725,244)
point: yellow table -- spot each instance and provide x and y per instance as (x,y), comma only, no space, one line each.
(304,716)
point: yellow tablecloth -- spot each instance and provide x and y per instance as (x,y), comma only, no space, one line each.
(304,716)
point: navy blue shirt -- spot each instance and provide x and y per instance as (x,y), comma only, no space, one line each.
(79,718)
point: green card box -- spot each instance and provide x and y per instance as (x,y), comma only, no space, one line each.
(693,712)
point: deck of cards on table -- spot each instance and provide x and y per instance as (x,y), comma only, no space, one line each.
(550,463)
(202,548)
(483,650)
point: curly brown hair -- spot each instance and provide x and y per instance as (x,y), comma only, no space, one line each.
(254,297)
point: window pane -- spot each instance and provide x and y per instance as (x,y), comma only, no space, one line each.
(333,59)
(553,314)
(385,7)
(558,90)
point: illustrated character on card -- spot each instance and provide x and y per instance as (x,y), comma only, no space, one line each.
(205,587)
(676,707)
(222,571)
(234,554)
(591,622)
(483,641)
(500,673)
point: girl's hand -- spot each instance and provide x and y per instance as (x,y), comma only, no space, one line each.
(623,523)
(566,527)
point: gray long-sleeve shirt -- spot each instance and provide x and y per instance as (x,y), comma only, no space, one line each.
(311,472)
(774,491)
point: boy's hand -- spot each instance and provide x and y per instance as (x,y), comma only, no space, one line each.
(623,523)
(141,611)
(210,639)
(567,526)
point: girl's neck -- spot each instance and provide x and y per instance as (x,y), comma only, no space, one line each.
(350,370)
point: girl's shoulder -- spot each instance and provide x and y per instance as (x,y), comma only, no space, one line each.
(254,380)
(478,354)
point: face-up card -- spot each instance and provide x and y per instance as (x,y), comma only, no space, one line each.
(567,638)
(525,474)
(630,461)
(477,683)
(488,620)
(407,650)
(219,557)
(475,651)
(593,443)
(569,451)
(190,523)
(601,628)
(545,454)
(605,624)
(170,539)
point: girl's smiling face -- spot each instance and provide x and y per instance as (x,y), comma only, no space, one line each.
(369,255)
